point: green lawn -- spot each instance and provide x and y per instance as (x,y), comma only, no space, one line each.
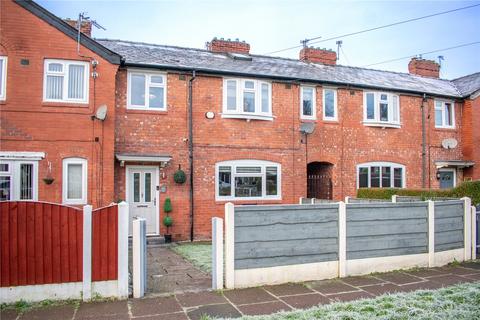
(198,253)
(460,302)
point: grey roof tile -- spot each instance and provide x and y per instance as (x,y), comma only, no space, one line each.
(468,84)
(161,56)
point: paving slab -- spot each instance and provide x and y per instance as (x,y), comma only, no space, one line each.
(200,298)
(305,301)
(168,316)
(97,309)
(350,296)
(154,306)
(472,265)
(475,277)
(462,271)
(450,279)
(288,289)
(362,281)
(50,313)
(399,278)
(248,296)
(225,310)
(263,308)
(426,273)
(379,289)
(426,285)
(8,314)
(331,286)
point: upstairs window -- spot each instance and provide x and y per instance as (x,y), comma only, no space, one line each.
(444,114)
(380,175)
(330,104)
(381,108)
(248,180)
(74,181)
(147,91)
(66,81)
(245,98)
(3,77)
(308,103)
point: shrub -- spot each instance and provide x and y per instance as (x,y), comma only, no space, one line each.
(167,221)
(167,206)
(469,189)
(179,176)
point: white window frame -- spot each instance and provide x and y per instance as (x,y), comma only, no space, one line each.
(3,86)
(239,113)
(442,108)
(233,164)
(148,76)
(84,163)
(14,174)
(314,104)
(335,108)
(392,166)
(65,74)
(376,103)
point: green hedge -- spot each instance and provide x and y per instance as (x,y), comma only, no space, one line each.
(469,189)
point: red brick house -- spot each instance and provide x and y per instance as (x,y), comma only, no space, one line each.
(253,129)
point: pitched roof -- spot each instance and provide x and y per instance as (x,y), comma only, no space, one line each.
(178,58)
(70,31)
(468,85)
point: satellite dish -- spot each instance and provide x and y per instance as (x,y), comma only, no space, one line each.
(101,113)
(450,143)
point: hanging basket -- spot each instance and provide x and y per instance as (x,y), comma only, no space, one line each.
(179,176)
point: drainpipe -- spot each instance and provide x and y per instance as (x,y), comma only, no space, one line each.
(424,143)
(190,148)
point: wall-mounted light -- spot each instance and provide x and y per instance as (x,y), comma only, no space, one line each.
(209,115)
(438,175)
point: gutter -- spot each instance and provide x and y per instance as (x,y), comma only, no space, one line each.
(281,78)
(190,150)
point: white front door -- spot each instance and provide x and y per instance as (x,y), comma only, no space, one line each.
(142,196)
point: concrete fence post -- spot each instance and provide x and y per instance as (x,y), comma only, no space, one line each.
(139,257)
(229,246)
(217,253)
(122,287)
(312,200)
(474,233)
(394,198)
(342,239)
(467,219)
(87,253)
(431,233)
(300,200)
(347,199)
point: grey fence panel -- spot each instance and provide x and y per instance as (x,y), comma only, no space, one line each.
(408,199)
(267,236)
(386,229)
(449,225)
(365,200)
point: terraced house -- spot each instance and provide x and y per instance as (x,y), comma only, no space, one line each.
(244,128)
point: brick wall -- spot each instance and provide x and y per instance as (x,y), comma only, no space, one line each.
(60,130)
(471,136)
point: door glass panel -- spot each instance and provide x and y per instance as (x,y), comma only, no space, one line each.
(136,187)
(148,187)
(26,181)
(5,188)
(74,181)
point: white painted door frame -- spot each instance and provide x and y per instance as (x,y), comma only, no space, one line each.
(454,171)
(155,185)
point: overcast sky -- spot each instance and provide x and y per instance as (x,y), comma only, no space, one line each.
(270,25)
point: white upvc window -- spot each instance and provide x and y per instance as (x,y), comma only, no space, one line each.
(74,181)
(444,114)
(147,90)
(3,77)
(65,81)
(308,103)
(330,112)
(247,98)
(381,108)
(18,180)
(248,180)
(381,175)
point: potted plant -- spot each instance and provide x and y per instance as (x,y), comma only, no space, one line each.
(167,220)
(179,176)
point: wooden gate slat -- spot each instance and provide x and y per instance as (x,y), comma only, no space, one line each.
(47,243)
(5,245)
(22,243)
(56,245)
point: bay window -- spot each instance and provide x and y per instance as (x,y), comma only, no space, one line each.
(307,103)
(74,181)
(147,91)
(444,114)
(380,175)
(66,81)
(381,108)
(247,180)
(247,98)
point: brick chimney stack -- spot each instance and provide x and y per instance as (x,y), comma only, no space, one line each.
(425,68)
(317,55)
(85,28)
(233,46)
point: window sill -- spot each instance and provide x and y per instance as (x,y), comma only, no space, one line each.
(333,121)
(64,104)
(247,116)
(381,124)
(146,111)
(250,199)
(445,128)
